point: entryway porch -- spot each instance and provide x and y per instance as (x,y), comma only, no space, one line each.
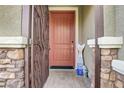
(32,61)
(66,79)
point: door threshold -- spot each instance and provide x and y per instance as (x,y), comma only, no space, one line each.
(61,67)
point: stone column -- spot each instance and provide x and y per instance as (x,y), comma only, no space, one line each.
(109,51)
(107,74)
(12,68)
(93,74)
(12,62)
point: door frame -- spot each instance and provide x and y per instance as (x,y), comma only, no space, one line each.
(25,31)
(99,32)
(76,25)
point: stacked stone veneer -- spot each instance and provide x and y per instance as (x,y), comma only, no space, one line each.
(12,68)
(108,76)
(119,80)
(93,74)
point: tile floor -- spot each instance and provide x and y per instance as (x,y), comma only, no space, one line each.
(65,79)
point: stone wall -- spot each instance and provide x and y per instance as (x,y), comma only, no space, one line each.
(109,77)
(93,74)
(12,68)
(119,80)
(107,74)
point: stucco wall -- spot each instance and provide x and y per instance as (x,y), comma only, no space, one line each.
(114,24)
(120,28)
(109,20)
(10,20)
(87,31)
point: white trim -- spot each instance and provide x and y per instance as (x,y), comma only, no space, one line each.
(13,46)
(107,42)
(76,24)
(110,42)
(91,43)
(118,65)
(13,42)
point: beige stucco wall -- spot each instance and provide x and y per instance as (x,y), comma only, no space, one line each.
(114,24)
(10,20)
(120,28)
(87,31)
(109,20)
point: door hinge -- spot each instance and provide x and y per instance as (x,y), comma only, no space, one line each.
(29,42)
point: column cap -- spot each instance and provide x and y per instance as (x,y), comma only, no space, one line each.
(110,42)
(13,42)
(107,42)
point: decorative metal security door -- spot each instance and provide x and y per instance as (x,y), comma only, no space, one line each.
(39,46)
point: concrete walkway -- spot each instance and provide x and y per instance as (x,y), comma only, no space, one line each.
(65,79)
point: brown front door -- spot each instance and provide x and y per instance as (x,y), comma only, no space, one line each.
(62,38)
(39,46)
